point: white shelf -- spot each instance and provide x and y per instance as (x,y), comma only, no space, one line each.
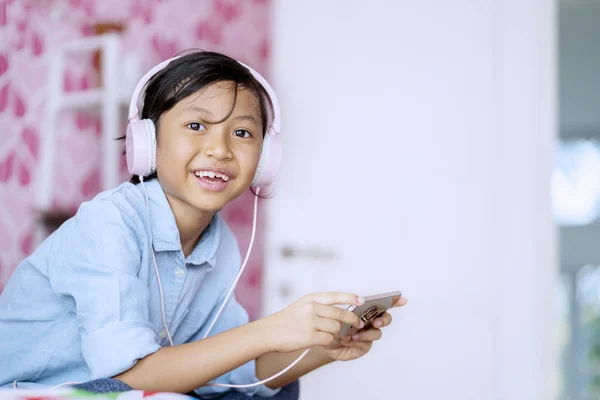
(106,101)
(81,99)
(119,75)
(88,98)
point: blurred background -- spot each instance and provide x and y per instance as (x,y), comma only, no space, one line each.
(450,150)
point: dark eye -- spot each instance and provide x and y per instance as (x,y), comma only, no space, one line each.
(196,126)
(242,133)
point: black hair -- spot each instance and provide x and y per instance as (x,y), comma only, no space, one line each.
(192,72)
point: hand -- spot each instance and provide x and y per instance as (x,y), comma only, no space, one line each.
(311,321)
(352,347)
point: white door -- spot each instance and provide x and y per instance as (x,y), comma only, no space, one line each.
(393,178)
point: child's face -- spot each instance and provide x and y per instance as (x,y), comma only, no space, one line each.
(189,144)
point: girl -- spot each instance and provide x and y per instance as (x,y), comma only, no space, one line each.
(124,294)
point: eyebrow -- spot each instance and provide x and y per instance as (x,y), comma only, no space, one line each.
(199,109)
(246,117)
(237,117)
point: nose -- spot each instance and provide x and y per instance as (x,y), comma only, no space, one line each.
(217,146)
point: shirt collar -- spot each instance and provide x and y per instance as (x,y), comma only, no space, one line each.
(206,249)
(165,234)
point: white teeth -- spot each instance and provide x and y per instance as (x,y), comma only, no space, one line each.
(212,175)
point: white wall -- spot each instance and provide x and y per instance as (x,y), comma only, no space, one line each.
(458,99)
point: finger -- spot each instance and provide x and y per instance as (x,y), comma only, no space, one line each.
(384,320)
(323,338)
(367,336)
(362,346)
(332,298)
(328,325)
(339,314)
(398,301)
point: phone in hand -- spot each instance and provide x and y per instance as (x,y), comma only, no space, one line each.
(374,307)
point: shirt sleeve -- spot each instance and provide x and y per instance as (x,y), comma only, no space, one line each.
(233,315)
(100,259)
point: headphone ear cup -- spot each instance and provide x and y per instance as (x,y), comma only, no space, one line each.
(140,147)
(270,159)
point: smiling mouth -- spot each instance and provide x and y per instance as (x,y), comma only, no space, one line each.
(211,180)
(212,176)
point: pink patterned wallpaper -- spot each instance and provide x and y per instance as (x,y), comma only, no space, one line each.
(155,30)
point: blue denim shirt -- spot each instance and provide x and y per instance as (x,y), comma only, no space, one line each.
(86,303)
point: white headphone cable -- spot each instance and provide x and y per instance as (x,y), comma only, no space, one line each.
(235,282)
(229,295)
(162,300)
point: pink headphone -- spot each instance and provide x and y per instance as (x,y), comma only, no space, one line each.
(140,140)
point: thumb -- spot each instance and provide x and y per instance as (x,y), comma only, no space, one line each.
(399,301)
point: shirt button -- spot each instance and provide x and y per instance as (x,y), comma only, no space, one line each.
(179,272)
(162,334)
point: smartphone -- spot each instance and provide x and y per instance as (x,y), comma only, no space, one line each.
(373,308)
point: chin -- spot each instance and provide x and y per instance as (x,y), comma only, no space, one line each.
(208,205)
(212,201)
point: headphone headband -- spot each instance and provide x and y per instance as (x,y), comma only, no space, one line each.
(135,98)
(134,109)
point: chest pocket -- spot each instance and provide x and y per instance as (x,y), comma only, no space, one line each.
(190,325)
